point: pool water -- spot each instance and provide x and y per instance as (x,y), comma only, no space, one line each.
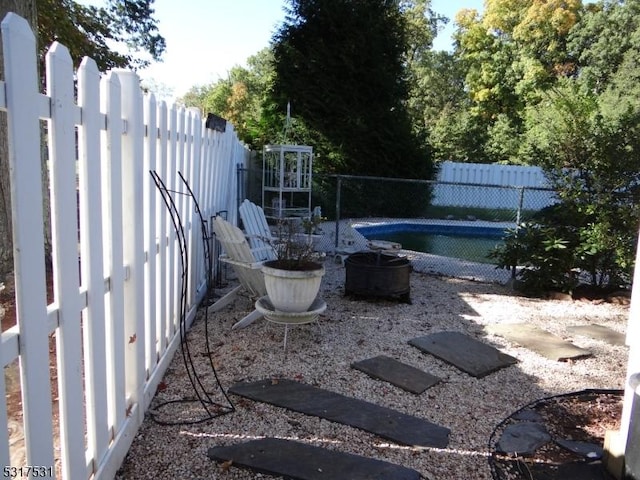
(447,241)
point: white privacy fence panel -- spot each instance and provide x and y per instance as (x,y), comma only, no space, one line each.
(112,325)
(465,185)
(493,174)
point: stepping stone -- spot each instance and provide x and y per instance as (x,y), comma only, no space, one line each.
(468,354)
(528,415)
(538,340)
(523,438)
(400,374)
(382,421)
(299,461)
(568,471)
(584,449)
(599,332)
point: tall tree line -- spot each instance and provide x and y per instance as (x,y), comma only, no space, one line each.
(471,104)
(341,67)
(552,83)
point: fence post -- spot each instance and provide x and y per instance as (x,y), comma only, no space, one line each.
(518,219)
(338,188)
(520,204)
(133,241)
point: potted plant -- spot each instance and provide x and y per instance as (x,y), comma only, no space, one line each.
(311,232)
(293,279)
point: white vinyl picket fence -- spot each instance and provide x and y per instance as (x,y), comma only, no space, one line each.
(116,261)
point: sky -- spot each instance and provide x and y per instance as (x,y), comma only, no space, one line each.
(206,38)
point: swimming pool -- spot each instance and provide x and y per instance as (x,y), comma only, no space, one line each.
(467,242)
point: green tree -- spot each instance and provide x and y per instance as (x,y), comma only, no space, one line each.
(488,60)
(511,54)
(458,135)
(210,98)
(585,133)
(503,141)
(243,99)
(591,156)
(341,65)
(92,31)
(608,33)
(436,83)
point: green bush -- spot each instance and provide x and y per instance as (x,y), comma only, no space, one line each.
(590,153)
(563,247)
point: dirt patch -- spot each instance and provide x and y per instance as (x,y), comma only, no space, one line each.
(580,417)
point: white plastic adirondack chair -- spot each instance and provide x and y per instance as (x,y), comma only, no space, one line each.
(258,231)
(245,264)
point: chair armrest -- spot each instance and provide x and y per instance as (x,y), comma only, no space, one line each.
(252,266)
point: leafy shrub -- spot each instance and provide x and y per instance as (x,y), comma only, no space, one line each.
(543,253)
(590,153)
(562,248)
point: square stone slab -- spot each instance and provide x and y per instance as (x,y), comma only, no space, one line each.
(599,332)
(538,340)
(382,421)
(400,374)
(468,354)
(299,461)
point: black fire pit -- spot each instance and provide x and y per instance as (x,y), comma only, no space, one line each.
(374,274)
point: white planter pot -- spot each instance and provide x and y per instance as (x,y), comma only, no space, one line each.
(292,290)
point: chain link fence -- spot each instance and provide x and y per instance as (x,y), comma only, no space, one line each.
(442,227)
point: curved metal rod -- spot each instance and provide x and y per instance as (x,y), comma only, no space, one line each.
(201,393)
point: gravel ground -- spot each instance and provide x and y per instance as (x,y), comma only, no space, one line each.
(355,329)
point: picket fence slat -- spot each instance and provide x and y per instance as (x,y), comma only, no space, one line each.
(184,203)
(113,262)
(172,276)
(91,254)
(150,235)
(116,258)
(162,226)
(64,227)
(21,86)
(194,185)
(180,200)
(190,221)
(133,239)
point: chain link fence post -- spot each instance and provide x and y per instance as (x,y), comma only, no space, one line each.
(338,189)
